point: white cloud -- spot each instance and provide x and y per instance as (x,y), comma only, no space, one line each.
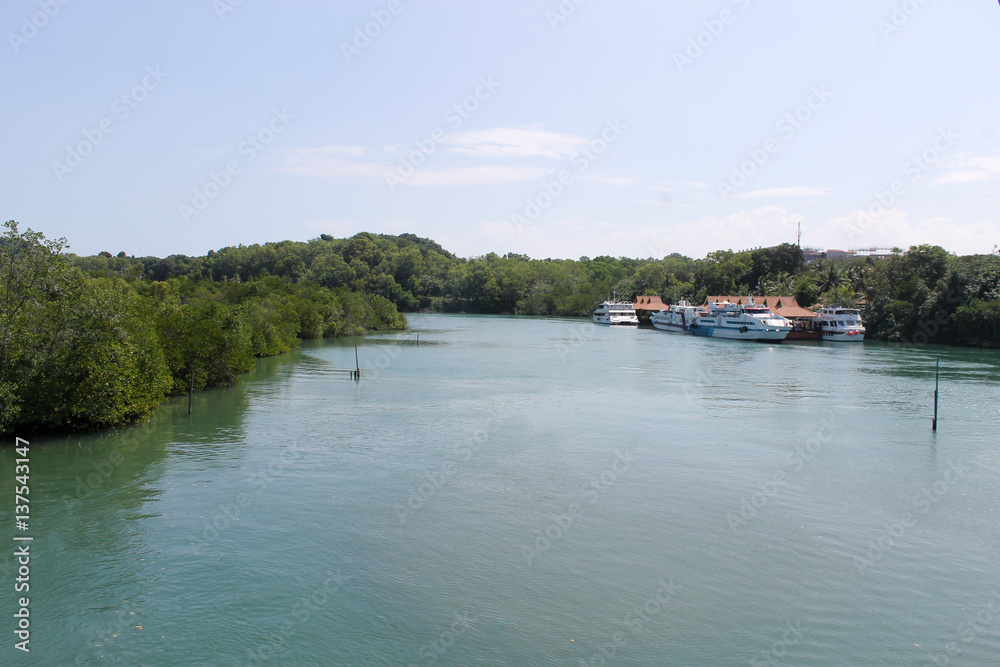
(329,161)
(666,202)
(608,180)
(776,193)
(484,175)
(686,185)
(505,142)
(971,170)
(333,161)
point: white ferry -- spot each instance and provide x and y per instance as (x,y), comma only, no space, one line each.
(842,325)
(615,312)
(678,317)
(750,322)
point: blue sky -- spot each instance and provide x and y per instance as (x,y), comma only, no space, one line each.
(549,128)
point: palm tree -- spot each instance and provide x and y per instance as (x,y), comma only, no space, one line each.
(828,276)
(857,277)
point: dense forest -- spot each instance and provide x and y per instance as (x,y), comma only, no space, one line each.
(86,344)
(93,341)
(924,294)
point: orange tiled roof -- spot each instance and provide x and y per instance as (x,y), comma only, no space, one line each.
(786,306)
(648,303)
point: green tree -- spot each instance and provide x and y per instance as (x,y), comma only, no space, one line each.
(101,364)
(32,275)
(210,339)
(978,323)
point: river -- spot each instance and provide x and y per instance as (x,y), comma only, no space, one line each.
(531,491)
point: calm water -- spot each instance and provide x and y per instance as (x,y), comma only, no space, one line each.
(516,491)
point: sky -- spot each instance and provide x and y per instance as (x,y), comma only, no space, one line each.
(552,128)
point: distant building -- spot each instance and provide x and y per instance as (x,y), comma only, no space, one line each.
(645,306)
(876,253)
(648,303)
(812,254)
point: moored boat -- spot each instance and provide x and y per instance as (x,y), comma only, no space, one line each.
(750,322)
(839,325)
(677,318)
(615,312)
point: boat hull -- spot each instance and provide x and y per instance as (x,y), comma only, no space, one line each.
(843,337)
(672,328)
(604,320)
(765,336)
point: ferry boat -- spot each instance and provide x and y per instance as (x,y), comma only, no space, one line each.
(615,312)
(750,322)
(840,325)
(677,318)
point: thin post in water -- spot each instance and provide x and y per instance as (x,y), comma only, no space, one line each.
(937,372)
(357,365)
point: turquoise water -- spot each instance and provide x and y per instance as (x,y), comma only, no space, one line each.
(521,491)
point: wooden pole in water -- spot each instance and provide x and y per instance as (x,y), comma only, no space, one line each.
(937,372)
(357,365)
(418,339)
(191,392)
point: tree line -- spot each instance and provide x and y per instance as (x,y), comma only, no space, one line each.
(98,340)
(924,294)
